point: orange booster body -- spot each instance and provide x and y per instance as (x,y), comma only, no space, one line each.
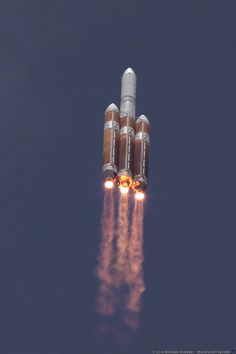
(141,153)
(126,148)
(111,143)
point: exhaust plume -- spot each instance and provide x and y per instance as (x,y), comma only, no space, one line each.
(119,270)
(136,257)
(106,297)
(121,264)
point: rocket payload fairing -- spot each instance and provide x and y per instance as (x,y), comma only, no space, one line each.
(126,142)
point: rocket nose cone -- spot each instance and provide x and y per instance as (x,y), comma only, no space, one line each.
(112,107)
(129,71)
(142,118)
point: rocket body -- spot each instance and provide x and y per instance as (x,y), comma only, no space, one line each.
(141,153)
(128,94)
(127,125)
(126,146)
(126,140)
(111,142)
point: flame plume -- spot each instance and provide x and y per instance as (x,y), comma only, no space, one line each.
(120,270)
(106,297)
(136,257)
(121,264)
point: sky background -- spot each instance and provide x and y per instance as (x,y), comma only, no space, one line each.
(60,66)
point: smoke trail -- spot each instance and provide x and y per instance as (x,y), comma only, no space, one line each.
(126,273)
(121,264)
(106,297)
(135,279)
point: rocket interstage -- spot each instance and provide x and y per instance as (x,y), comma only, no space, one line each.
(126,142)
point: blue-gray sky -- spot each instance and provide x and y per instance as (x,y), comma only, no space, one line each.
(60,66)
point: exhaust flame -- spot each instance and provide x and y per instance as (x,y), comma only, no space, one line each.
(109,184)
(124,190)
(139,196)
(106,299)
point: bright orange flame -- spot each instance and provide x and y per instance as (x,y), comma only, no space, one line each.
(124,190)
(124,184)
(139,196)
(109,184)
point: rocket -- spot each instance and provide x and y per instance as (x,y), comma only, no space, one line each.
(126,142)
